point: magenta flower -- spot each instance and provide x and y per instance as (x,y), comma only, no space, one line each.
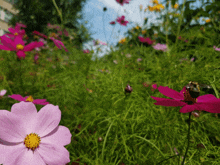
(121,20)
(33,137)
(20,25)
(36,57)
(18,45)
(15,32)
(121,2)
(207,102)
(28,99)
(112,22)
(39,34)
(146,40)
(58,43)
(217,49)
(161,47)
(86,51)
(3,92)
(65,33)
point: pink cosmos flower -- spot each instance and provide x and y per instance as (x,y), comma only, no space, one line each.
(58,43)
(86,51)
(161,47)
(39,34)
(121,20)
(33,138)
(20,25)
(207,102)
(18,45)
(121,2)
(217,49)
(146,40)
(28,99)
(15,32)
(65,33)
(112,22)
(3,92)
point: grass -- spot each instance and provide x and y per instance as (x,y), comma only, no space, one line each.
(109,126)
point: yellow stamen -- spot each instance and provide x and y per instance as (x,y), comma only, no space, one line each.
(30,99)
(32,141)
(16,34)
(20,47)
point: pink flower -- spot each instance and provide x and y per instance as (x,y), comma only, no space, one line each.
(36,57)
(58,43)
(65,33)
(20,25)
(217,49)
(121,2)
(39,34)
(15,32)
(29,99)
(147,40)
(3,92)
(121,20)
(33,137)
(18,45)
(86,51)
(112,23)
(183,98)
(159,46)
(139,59)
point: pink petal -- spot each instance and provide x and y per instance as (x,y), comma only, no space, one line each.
(17,97)
(30,46)
(61,135)
(11,127)
(168,102)
(3,92)
(206,98)
(40,101)
(166,91)
(212,106)
(48,118)
(2,47)
(54,154)
(20,155)
(20,54)
(18,40)
(189,108)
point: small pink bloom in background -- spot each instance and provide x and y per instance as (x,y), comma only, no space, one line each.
(86,51)
(161,47)
(154,86)
(20,25)
(179,37)
(121,20)
(112,23)
(217,49)
(60,32)
(121,2)
(186,41)
(33,137)
(39,34)
(3,92)
(65,33)
(58,43)
(18,45)
(146,40)
(37,49)
(115,61)
(183,98)
(192,59)
(28,99)
(139,59)
(15,32)
(36,57)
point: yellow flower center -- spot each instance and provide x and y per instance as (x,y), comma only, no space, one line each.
(16,34)
(32,141)
(30,99)
(20,47)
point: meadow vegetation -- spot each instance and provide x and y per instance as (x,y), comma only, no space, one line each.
(112,126)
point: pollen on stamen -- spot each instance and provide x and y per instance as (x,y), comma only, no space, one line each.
(30,99)
(32,141)
(19,47)
(15,34)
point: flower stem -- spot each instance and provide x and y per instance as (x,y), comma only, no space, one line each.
(188,140)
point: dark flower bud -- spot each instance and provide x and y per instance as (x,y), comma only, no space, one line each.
(128,89)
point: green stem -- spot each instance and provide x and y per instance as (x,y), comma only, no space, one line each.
(180,22)
(59,12)
(188,140)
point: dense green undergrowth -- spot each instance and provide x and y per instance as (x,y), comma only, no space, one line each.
(108,126)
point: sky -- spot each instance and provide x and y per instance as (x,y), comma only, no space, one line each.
(98,20)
